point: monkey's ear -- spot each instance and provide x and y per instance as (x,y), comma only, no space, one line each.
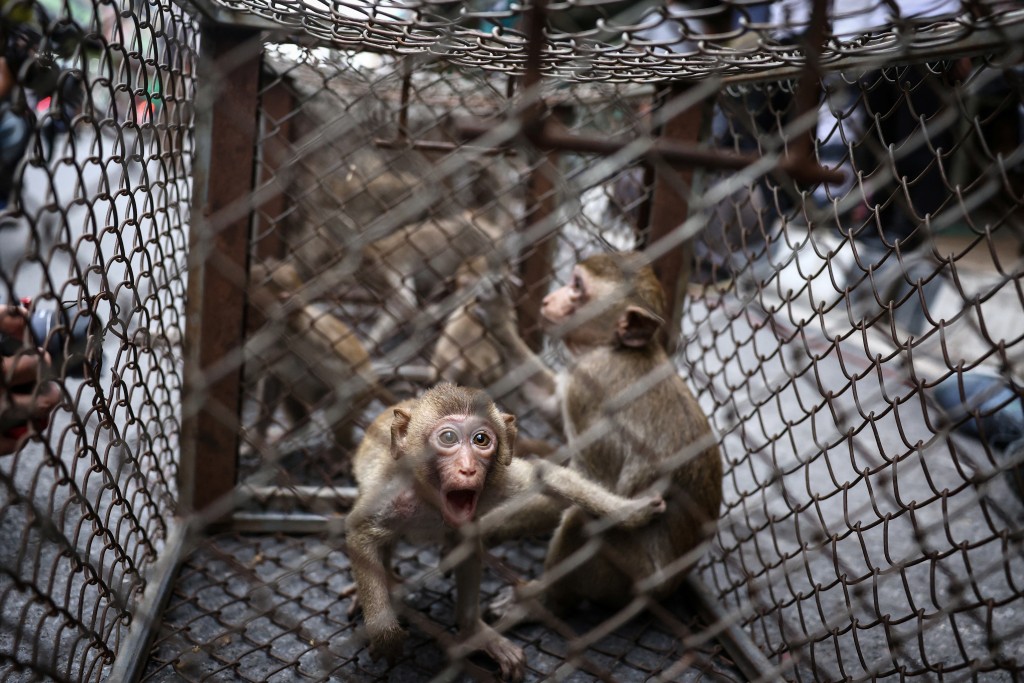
(637,327)
(399,430)
(508,448)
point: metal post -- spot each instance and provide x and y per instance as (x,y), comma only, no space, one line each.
(542,202)
(278,107)
(228,76)
(670,204)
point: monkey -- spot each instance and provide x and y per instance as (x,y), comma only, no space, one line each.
(632,425)
(413,262)
(464,354)
(426,470)
(316,362)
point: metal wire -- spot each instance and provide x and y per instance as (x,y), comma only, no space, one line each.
(96,191)
(857,345)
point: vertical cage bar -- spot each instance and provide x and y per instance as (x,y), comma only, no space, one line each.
(278,106)
(537,260)
(670,206)
(219,241)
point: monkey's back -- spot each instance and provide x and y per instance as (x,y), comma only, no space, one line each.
(652,423)
(464,354)
(436,246)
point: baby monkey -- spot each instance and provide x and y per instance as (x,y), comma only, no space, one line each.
(427,469)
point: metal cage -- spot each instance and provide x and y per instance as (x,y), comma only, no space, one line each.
(213,226)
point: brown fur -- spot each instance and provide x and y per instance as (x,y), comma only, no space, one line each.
(467,352)
(317,363)
(404,471)
(406,266)
(633,426)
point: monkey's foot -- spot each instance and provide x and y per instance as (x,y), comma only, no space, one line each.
(642,511)
(387,641)
(509,657)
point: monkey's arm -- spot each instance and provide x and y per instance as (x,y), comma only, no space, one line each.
(526,372)
(368,542)
(592,497)
(538,491)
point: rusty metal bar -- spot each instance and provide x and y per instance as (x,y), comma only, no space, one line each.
(534,19)
(670,202)
(808,90)
(673,152)
(734,640)
(278,104)
(219,240)
(133,653)
(441,146)
(343,496)
(403,110)
(537,259)
(284,523)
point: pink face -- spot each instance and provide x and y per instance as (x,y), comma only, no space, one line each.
(465,447)
(595,328)
(560,304)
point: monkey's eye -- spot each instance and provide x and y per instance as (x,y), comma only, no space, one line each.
(481,439)
(448,437)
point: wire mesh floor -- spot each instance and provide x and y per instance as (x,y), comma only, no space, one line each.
(270,608)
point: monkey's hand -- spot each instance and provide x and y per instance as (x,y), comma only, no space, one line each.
(518,605)
(509,657)
(640,511)
(387,639)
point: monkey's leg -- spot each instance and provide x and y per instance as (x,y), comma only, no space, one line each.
(474,634)
(604,573)
(563,562)
(271,392)
(515,603)
(297,412)
(343,431)
(352,590)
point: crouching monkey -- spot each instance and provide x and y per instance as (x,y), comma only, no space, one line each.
(426,470)
(632,425)
(317,362)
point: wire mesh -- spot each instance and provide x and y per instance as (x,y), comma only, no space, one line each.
(97,121)
(628,42)
(266,608)
(854,343)
(884,467)
(421,168)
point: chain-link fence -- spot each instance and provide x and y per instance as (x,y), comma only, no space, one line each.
(97,121)
(358,201)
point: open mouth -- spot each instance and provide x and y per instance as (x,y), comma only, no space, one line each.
(459,506)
